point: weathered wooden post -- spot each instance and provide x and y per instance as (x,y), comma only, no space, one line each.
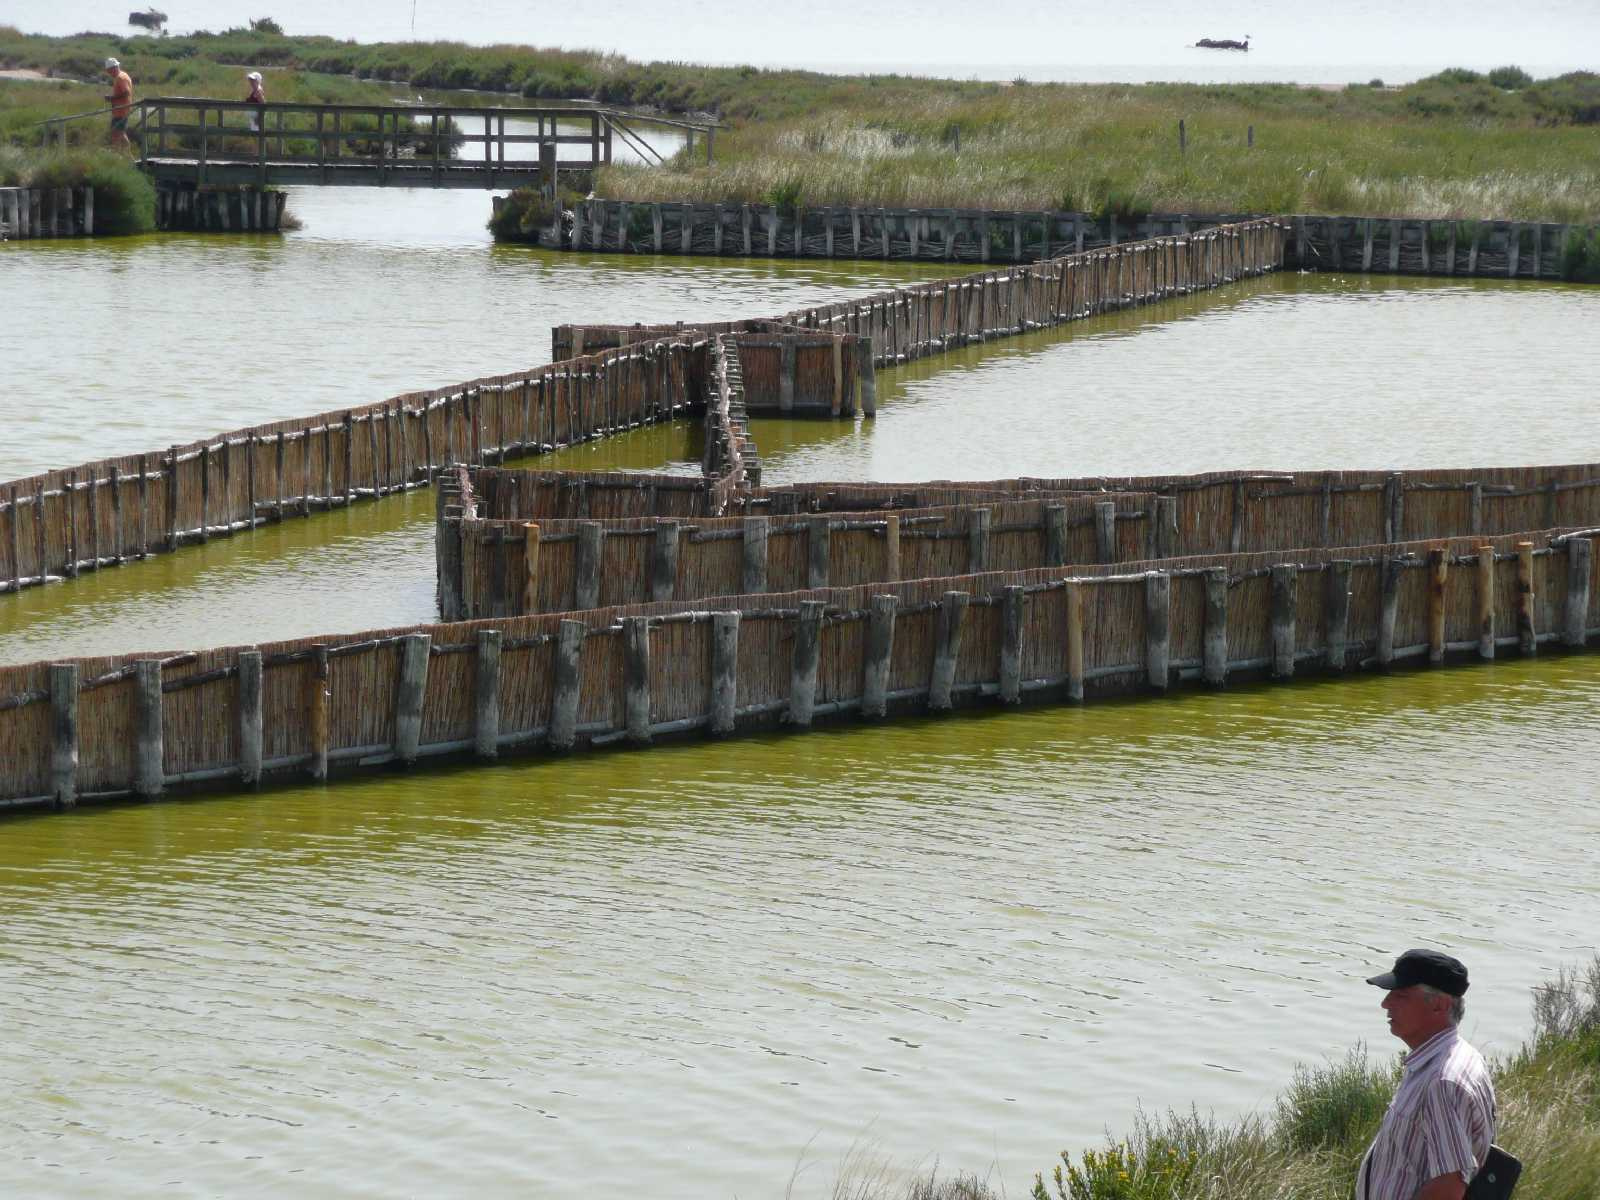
(891,547)
(1166,526)
(867,377)
(317,707)
(803,667)
(586,571)
(818,550)
(978,520)
(415,649)
(1438,573)
(724,672)
(486,695)
(250,730)
(1105,531)
(1388,608)
(1075,674)
(564,702)
(636,678)
(1055,535)
(664,560)
(879,654)
(1012,626)
(64,734)
(1214,664)
(947,650)
(1580,557)
(754,533)
(1157,628)
(149,776)
(1527,635)
(1483,601)
(1285,585)
(530,569)
(1338,613)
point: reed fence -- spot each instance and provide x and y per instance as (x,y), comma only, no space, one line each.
(38,212)
(116,726)
(1414,246)
(60,523)
(929,234)
(493,568)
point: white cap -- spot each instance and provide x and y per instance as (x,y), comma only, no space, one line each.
(254,75)
(112,64)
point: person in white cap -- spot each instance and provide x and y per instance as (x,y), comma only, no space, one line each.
(256,96)
(121,101)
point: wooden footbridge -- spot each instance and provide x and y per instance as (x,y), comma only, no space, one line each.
(189,141)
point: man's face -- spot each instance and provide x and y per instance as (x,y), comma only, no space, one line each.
(1414,1016)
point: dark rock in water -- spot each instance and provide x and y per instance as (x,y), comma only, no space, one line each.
(1224,43)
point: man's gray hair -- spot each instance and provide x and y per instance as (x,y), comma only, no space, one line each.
(1458,1004)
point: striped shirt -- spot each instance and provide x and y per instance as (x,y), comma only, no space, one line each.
(1440,1121)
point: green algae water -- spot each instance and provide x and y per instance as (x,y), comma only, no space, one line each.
(727,969)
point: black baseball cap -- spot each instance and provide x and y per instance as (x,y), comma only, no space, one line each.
(1448,975)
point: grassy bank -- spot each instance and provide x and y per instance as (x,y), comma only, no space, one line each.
(1310,1145)
(1456,145)
(1355,151)
(124,198)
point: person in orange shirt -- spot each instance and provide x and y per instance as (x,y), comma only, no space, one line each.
(121,100)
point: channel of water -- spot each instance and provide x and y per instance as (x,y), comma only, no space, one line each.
(701,970)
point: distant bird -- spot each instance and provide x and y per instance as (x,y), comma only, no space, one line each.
(1223,43)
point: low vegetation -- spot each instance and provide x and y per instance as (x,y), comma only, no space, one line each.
(124,198)
(1310,1146)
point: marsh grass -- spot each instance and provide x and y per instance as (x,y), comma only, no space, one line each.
(124,198)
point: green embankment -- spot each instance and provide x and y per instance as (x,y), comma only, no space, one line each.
(1455,145)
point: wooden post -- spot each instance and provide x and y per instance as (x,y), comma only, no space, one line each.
(818,550)
(69,508)
(250,691)
(891,554)
(1438,572)
(1105,531)
(1157,628)
(1476,509)
(564,703)
(755,554)
(1285,583)
(1166,523)
(64,734)
(414,653)
(149,776)
(786,373)
(947,650)
(486,695)
(636,678)
(530,569)
(724,671)
(1580,557)
(1236,535)
(1337,611)
(1183,137)
(803,667)
(1055,535)
(586,574)
(1527,635)
(1074,599)
(664,561)
(879,655)
(1011,645)
(1484,601)
(978,540)
(1215,662)
(317,706)
(866,378)
(172,500)
(1388,608)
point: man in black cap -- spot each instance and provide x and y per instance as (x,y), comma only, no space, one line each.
(1441,1122)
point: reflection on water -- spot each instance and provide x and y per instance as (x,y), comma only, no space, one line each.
(684,971)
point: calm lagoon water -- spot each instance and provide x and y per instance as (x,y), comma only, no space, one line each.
(713,969)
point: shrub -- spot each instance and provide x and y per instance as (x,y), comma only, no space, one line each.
(1121,1172)
(1337,1105)
(1510,78)
(124,199)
